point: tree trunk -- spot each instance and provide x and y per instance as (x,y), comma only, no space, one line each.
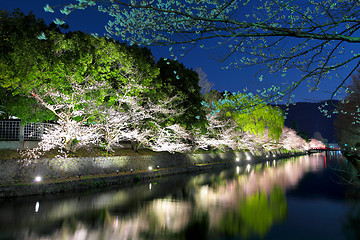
(69,146)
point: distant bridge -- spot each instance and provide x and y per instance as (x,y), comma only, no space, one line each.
(316,150)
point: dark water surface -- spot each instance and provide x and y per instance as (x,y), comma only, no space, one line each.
(307,197)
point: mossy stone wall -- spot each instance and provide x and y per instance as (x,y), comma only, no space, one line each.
(12,171)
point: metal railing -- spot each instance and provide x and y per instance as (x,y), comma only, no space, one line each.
(13,130)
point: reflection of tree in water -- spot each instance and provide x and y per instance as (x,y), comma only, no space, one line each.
(256,214)
(198,228)
(351,226)
(237,202)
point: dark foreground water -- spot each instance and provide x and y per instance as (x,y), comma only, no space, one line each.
(299,198)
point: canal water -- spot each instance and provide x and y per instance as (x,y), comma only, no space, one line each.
(308,197)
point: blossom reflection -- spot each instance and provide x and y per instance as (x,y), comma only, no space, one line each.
(247,201)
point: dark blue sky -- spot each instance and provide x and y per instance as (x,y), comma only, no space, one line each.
(91,21)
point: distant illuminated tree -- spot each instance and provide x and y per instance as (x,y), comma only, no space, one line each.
(310,36)
(347,124)
(204,83)
(291,141)
(317,135)
(314,143)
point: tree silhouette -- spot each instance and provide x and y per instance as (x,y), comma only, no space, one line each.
(348,119)
(311,36)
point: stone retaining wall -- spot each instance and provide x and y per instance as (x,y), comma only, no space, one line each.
(12,171)
(18,145)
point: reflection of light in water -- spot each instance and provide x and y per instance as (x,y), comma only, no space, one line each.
(267,163)
(81,234)
(170,215)
(274,162)
(116,223)
(37,205)
(325,161)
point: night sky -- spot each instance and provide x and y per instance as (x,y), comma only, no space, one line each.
(91,21)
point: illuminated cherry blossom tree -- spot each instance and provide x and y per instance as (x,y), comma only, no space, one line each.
(86,121)
(315,144)
(219,134)
(290,140)
(173,138)
(75,110)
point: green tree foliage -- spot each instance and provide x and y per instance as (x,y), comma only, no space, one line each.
(20,106)
(347,124)
(20,53)
(177,80)
(251,113)
(34,54)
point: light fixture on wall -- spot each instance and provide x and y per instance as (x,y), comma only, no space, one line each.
(38,179)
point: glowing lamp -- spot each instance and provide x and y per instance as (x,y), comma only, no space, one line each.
(150,168)
(237,159)
(38,179)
